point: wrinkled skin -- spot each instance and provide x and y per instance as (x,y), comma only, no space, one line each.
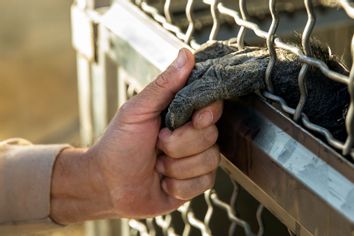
(222,72)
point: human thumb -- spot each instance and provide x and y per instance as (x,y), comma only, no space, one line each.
(157,95)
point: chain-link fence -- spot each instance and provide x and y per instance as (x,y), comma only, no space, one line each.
(241,18)
(214,213)
(241,199)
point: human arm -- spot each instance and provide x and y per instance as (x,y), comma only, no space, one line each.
(137,170)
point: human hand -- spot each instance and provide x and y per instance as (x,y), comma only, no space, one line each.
(137,170)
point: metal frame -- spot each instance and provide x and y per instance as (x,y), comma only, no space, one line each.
(302,181)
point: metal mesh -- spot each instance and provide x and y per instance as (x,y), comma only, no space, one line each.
(192,222)
(193,225)
(241,18)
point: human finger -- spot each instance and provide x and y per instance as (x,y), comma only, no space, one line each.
(189,188)
(187,140)
(208,115)
(189,167)
(158,94)
(194,96)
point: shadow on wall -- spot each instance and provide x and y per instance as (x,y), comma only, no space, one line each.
(38,98)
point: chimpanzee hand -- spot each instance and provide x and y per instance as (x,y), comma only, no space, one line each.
(220,73)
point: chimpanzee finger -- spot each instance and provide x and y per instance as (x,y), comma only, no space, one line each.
(213,49)
(230,59)
(218,83)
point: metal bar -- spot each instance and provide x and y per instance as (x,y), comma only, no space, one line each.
(84,88)
(290,172)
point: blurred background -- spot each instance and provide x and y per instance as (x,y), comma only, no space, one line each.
(38,91)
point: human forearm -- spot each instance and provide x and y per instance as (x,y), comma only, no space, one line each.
(76,195)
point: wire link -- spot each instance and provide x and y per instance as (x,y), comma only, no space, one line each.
(348,7)
(259,220)
(349,119)
(187,214)
(139,226)
(190,220)
(165,223)
(233,199)
(210,209)
(184,212)
(242,31)
(150,226)
(162,20)
(231,214)
(215,15)
(189,14)
(270,44)
(311,20)
(167,11)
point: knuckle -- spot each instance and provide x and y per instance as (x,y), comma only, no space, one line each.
(162,80)
(211,135)
(172,187)
(165,77)
(170,168)
(169,150)
(208,181)
(218,109)
(167,146)
(125,107)
(125,111)
(213,158)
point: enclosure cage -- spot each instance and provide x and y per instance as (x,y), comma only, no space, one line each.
(280,173)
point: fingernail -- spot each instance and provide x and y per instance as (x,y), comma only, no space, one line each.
(181,59)
(205,119)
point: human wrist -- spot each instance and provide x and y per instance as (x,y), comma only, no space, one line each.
(75,194)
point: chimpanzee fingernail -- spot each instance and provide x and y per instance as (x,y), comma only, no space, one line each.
(181,59)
